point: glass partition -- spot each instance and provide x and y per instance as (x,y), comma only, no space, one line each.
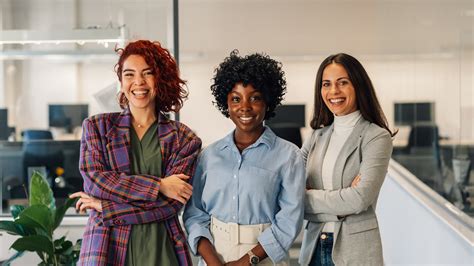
(57,62)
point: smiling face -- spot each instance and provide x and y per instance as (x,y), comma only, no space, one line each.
(337,90)
(247,110)
(138,83)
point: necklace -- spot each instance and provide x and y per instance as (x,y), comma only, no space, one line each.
(138,125)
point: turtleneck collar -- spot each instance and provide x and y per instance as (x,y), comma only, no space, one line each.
(346,122)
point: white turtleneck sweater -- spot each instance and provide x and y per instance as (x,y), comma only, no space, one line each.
(343,126)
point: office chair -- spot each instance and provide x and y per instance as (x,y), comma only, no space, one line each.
(31,134)
(42,153)
(424,137)
(425,156)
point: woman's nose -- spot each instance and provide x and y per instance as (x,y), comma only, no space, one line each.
(334,88)
(139,80)
(245,105)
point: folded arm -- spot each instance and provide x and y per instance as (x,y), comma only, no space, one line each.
(352,200)
(134,206)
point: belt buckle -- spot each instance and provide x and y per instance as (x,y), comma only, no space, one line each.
(234,233)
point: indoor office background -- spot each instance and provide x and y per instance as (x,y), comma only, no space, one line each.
(418,53)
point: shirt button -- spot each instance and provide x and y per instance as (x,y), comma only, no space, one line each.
(233,217)
(233,197)
(235,176)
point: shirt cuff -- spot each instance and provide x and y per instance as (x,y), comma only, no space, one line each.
(271,246)
(195,233)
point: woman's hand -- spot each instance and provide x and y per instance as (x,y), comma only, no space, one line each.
(86,202)
(208,252)
(176,187)
(356,181)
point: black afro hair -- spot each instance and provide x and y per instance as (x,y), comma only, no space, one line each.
(258,70)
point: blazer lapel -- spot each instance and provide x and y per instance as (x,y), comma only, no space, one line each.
(118,142)
(165,133)
(349,147)
(320,148)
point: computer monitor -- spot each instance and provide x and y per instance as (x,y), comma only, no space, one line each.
(288,120)
(288,114)
(407,114)
(68,116)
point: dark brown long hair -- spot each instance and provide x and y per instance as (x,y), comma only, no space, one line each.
(170,86)
(366,98)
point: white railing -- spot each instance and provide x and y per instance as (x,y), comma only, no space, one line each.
(418,226)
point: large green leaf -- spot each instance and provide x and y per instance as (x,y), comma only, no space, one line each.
(37,217)
(12,228)
(16,210)
(34,243)
(59,213)
(40,192)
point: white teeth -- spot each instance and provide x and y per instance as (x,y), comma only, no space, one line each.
(338,100)
(246,118)
(140,92)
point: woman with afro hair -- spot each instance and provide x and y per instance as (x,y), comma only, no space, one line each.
(247,203)
(136,166)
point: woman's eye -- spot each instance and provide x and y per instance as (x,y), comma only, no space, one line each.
(128,75)
(326,84)
(343,82)
(255,98)
(235,99)
(148,73)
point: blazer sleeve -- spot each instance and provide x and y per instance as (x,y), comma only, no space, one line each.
(142,190)
(104,184)
(140,212)
(321,217)
(352,200)
(306,147)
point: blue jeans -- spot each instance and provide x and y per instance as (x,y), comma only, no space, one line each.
(322,255)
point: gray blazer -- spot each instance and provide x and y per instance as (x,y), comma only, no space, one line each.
(367,152)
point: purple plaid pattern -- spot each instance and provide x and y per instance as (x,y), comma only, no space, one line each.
(130,199)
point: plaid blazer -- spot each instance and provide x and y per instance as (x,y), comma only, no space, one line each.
(130,199)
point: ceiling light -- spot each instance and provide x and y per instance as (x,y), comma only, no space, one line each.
(79,36)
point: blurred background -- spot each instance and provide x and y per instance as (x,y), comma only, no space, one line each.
(57,67)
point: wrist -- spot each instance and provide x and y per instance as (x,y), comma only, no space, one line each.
(252,258)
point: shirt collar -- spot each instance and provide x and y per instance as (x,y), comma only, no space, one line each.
(267,138)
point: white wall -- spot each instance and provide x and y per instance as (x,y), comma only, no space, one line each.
(396,80)
(407,61)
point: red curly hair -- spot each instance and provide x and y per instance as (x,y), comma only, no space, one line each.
(170,86)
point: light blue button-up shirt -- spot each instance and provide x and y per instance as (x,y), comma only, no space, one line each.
(264,184)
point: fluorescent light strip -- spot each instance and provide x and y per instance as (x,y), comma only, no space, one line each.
(101,36)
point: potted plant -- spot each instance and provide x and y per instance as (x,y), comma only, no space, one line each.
(36,223)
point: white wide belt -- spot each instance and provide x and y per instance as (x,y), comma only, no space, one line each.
(236,233)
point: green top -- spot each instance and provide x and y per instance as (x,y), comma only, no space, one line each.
(149,243)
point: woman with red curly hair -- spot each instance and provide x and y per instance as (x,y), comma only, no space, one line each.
(137,166)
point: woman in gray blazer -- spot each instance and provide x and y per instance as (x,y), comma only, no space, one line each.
(346,158)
